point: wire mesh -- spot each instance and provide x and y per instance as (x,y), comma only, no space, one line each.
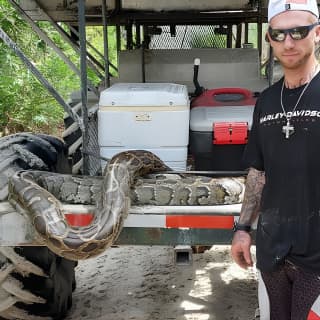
(189,36)
(93,146)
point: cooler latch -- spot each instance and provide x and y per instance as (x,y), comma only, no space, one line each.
(230,133)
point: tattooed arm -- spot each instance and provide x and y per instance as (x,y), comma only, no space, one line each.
(251,201)
(241,243)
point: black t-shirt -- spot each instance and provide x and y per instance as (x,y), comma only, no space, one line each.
(289,221)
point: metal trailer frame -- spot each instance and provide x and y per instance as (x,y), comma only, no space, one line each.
(146,225)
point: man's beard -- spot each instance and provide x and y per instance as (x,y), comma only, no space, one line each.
(296,64)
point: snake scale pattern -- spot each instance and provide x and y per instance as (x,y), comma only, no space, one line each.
(126,180)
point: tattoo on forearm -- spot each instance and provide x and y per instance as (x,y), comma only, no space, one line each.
(252,196)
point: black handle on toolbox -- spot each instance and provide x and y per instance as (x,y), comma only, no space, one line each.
(199,90)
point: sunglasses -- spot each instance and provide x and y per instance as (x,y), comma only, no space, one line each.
(297,33)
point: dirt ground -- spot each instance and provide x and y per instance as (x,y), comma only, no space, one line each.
(144,283)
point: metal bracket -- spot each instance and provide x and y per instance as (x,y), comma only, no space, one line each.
(183,255)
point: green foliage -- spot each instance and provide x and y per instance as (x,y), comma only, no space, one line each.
(25,105)
(95,38)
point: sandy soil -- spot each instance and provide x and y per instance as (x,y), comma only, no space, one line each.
(143,283)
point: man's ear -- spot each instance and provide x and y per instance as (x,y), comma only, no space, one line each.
(266,37)
(317,37)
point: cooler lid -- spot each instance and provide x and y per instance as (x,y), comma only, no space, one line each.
(202,118)
(145,94)
(222,97)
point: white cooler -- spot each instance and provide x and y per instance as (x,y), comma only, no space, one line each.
(148,116)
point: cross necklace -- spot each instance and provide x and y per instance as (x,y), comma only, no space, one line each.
(288,129)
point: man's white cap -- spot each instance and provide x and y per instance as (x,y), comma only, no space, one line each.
(279,6)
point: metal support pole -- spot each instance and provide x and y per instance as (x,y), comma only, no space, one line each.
(146,38)
(7,40)
(259,28)
(246,32)
(129,36)
(138,36)
(84,94)
(259,35)
(229,36)
(239,35)
(118,34)
(105,43)
(118,41)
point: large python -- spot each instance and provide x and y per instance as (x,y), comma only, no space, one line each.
(41,194)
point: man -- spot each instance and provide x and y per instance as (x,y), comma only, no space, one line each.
(283,183)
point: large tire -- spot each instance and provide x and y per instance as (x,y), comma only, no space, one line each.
(35,283)
(72,136)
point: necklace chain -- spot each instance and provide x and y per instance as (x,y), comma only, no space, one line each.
(299,98)
(288,129)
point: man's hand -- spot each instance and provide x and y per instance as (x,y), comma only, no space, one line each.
(240,249)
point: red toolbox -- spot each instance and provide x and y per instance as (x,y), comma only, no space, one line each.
(220,121)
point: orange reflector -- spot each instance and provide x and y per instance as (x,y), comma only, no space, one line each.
(79,220)
(208,222)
